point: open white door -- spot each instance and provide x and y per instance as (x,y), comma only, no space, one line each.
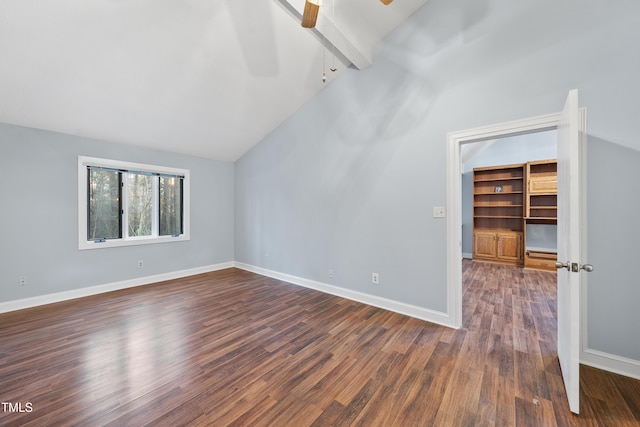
(570,228)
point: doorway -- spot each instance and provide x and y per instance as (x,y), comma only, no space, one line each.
(571,125)
(456,140)
(512,150)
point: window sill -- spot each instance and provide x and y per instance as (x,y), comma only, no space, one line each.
(115,243)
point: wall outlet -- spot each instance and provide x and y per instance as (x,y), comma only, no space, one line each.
(330,274)
(22,280)
(375,279)
(140,264)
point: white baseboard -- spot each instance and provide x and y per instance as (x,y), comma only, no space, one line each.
(108,287)
(611,362)
(376,301)
(467,255)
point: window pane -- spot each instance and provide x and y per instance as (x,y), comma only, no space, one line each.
(140,204)
(170,206)
(103,216)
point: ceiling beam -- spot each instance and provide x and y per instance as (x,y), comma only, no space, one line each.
(355,51)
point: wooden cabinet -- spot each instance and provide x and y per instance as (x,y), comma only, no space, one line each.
(484,245)
(510,247)
(498,246)
(541,209)
(543,184)
(542,190)
(505,200)
(498,211)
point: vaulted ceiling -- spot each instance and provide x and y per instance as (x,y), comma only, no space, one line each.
(206,78)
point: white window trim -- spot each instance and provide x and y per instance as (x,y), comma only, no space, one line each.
(83,243)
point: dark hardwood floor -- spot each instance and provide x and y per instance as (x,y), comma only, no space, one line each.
(235,348)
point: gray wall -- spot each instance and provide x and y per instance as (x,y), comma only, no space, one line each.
(513,149)
(506,151)
(614,285)
(349,182)
(39,213)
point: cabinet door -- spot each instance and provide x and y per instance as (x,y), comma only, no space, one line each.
(543,184)
(484,244)
(510,246)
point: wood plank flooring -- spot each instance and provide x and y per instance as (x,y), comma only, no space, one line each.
(234,348)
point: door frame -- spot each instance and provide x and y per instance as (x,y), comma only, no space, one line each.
(455,140)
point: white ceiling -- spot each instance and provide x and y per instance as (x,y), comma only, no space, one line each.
(206,78)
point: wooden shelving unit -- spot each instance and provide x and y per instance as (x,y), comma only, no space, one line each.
(542,190)
(541,207)
(498,209)
(505,200)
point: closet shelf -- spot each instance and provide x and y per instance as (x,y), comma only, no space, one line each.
(513,178)
(500,216)
(498,206)
(494,193)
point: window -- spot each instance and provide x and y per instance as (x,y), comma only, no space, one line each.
(122,203)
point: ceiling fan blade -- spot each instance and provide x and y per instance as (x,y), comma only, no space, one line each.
(310,14)
(386,2)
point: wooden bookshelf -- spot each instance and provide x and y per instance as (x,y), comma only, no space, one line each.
(498,209)
(542,190)
(541,207)
(505,200)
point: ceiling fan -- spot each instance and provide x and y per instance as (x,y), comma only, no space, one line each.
(310,13)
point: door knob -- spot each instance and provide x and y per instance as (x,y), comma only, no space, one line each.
(587,267)
(574,267)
